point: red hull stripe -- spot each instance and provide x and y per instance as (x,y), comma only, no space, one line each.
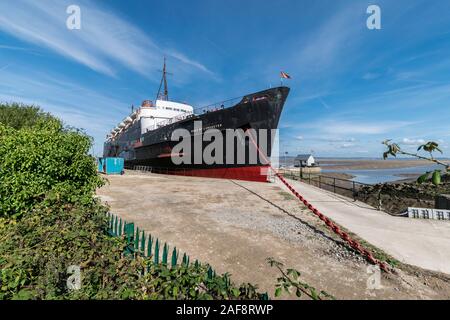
(169,155)
(254,173)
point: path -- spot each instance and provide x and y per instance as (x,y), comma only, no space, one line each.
(423,243)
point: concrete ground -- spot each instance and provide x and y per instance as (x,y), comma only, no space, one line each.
(422,243)
(235,226)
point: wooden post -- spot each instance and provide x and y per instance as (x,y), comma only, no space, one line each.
(353,190)
(143,243)
(165,253)
(334,185)
(174,257)
(129,235)
(156,259)
(136,241)
(210,273)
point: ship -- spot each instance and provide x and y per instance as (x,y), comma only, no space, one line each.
(144,139)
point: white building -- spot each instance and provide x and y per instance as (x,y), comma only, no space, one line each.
(305,160)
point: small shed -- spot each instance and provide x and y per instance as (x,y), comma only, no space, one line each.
(305,160)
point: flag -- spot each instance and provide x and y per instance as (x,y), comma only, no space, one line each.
(284,75)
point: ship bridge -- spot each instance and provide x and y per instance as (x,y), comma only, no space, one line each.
(161,113)
(153,116)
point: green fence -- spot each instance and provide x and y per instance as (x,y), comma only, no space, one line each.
(140,243)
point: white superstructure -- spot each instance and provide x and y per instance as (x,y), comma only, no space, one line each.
(163,113)
(153,116)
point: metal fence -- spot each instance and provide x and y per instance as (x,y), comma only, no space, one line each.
(345,187)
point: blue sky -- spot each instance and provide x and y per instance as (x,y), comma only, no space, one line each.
(351,87)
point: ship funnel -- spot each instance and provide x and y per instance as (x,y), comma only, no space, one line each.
(147,103)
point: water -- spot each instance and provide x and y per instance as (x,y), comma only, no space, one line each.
(375,176)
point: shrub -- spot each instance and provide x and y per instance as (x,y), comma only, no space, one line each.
(17,116)
(45,159)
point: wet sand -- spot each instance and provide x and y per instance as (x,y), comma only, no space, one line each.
(361,164)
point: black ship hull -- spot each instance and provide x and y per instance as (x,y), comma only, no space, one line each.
(259,112)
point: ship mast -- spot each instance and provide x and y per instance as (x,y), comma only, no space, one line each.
(164,96)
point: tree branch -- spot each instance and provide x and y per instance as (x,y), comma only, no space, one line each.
(446,165)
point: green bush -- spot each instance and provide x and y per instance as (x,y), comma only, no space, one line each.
(41,160)
(36,251)
(17,116)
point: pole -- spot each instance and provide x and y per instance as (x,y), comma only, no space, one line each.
(353,190)
(285,160)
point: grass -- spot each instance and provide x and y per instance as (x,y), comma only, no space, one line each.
(286,195)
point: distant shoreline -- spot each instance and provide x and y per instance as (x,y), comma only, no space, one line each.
(367,164)
(372,171)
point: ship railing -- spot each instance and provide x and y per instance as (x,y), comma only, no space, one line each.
(218,105)
(198,111)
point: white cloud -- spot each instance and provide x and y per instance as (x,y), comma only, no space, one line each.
(326,44)
(190,62)
(15,48)
(337,139)
(326,105)
(370,76)
(348,145)
(346,127)
(105,39)
(4,67)
(413,142)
